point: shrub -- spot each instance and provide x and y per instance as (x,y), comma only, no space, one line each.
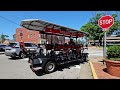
(113,51)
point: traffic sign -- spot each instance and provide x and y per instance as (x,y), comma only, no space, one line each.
(105,22)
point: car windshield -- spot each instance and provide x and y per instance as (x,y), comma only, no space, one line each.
(34,45)
(12,44)
(28,45)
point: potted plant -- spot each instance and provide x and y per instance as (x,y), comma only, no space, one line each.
(113,60)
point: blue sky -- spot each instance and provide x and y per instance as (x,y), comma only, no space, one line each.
(72,19)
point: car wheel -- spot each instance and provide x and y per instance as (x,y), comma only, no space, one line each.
(22,55)
(13,57)
(50,67)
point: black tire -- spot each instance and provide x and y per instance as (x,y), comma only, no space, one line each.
(86,57)
(50,67)
(13,57)
(22,55)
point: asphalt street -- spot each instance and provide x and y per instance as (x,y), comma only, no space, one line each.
(20,68)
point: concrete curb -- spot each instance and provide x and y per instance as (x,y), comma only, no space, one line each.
(93,70)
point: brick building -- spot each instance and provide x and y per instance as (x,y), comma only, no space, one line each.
(27,35)
(36,37)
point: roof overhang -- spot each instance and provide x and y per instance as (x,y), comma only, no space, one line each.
(40,25)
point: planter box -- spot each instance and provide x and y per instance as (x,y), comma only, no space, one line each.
(113,67)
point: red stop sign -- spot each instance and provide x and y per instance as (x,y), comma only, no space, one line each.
(106,21)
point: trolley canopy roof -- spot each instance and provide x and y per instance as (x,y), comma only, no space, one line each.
(40,25)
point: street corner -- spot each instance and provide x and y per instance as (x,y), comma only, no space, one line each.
(99,71)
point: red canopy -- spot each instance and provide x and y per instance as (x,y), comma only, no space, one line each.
(51,28)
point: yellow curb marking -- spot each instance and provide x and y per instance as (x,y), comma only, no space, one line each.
(93,70)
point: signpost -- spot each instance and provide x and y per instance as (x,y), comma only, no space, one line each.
(105,22)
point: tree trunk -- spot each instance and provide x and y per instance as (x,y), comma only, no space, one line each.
(94,43)
(100,42)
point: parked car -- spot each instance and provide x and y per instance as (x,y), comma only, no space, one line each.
(13,49)
(2,47)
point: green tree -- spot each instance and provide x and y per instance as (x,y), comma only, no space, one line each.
(3,37)
(116,25)
(95,32)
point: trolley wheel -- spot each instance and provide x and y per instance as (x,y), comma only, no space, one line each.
(50,67)
(86,57)
(22,55)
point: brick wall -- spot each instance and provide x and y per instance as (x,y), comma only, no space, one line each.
(27,35)
(33,36)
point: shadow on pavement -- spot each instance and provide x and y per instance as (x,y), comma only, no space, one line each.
(105,70)
(59,68)
(39,73)
(16,58)
(67,66)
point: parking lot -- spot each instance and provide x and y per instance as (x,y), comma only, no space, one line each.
(20,69)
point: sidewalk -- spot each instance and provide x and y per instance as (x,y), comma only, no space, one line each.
(99,70)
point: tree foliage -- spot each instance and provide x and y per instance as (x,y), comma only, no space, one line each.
(95,32)
(3,37)
(116,25)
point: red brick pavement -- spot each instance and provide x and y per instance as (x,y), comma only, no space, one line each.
(101,71)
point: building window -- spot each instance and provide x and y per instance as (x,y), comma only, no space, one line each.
(19,37)
(43,36)
(39,35)
(31,35)
(30,31)
(20,31)
(28,35)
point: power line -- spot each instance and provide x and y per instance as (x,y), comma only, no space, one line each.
(12,21)
(9,20)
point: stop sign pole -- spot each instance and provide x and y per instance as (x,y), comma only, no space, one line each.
(104,49)
(105,22)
